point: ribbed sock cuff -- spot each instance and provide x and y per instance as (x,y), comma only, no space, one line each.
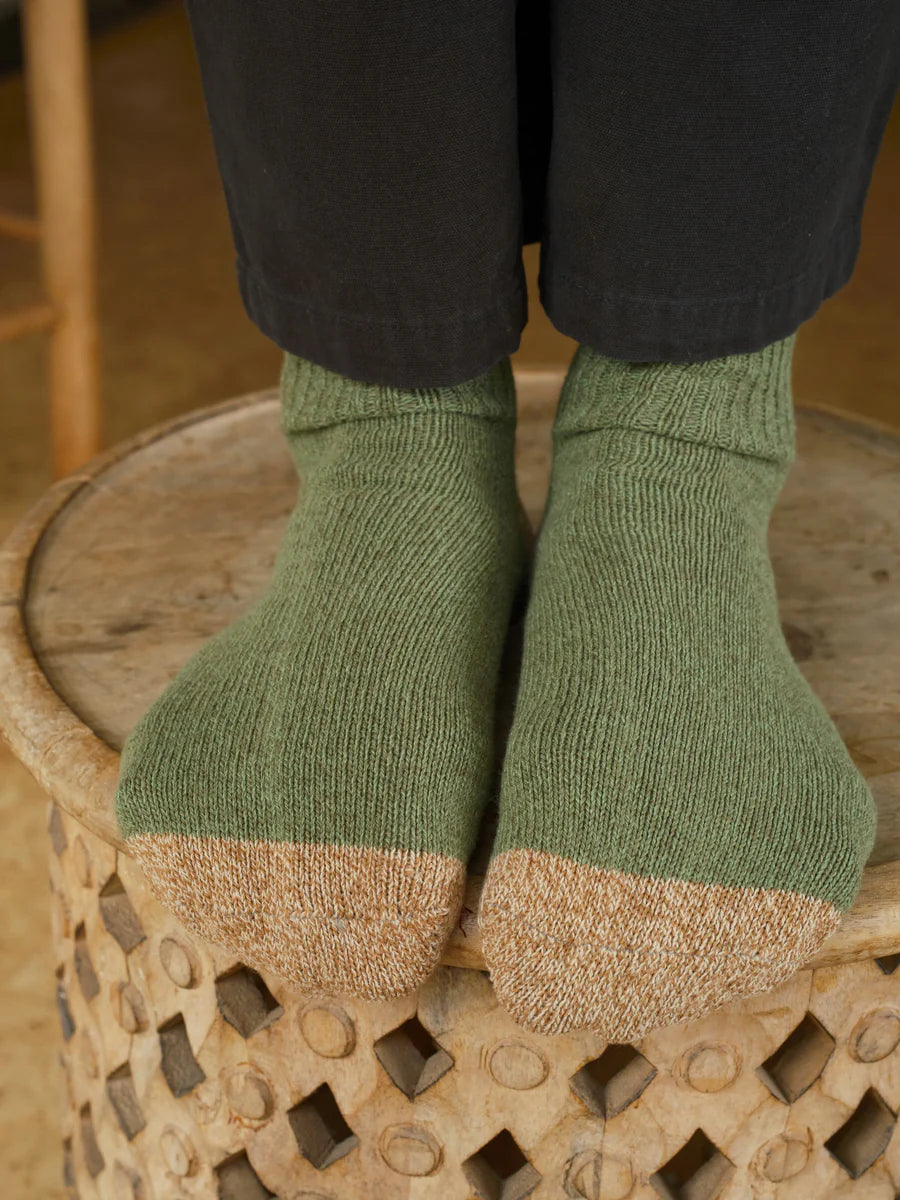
(740,403)
(314,397)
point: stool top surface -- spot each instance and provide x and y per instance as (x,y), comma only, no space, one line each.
(125,569)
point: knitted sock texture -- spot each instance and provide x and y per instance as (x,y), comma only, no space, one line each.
(308,788)
(680,822)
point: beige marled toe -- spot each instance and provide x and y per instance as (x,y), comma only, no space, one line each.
(344,920)
(571,946)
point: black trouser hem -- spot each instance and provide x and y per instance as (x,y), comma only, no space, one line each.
(396,352)
(660,329)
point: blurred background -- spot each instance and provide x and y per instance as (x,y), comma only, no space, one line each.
(174,337)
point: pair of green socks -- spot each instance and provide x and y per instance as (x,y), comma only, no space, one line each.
(679,821)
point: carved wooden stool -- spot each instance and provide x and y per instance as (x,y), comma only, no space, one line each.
(189,1075)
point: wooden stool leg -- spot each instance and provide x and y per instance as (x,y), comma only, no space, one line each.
(57,63)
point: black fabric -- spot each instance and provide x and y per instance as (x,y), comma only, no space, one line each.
(695,172)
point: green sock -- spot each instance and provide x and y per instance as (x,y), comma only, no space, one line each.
(680,823)
(308,789)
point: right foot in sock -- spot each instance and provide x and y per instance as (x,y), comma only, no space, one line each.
(680,823)
(308,789)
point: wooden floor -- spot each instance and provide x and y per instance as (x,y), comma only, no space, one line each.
(176,337)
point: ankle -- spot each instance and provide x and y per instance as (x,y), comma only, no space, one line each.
(314,397)
(740,404)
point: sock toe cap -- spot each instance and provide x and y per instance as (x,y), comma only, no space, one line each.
(571,946)
(343,920)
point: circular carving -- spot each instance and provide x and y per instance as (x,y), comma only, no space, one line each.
(328,1030)
(178,963)
(782,1158)
(129,1008)
(83,867)
(711,1067)
(875,1036)
(178,1151)
(410,1150)
(515,1064)
(595,1176)
(248,1094)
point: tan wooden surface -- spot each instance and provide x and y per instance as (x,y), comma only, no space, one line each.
(56,56)
(117,577)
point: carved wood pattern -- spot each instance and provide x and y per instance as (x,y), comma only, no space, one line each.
(187,1075)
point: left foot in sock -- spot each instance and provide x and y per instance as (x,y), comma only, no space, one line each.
(680,822)
(308,788)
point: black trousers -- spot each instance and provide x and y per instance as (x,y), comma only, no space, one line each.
(695,170)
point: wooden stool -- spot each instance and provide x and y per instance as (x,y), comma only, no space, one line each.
(189,1075)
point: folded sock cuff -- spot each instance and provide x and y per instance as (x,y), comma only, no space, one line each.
(314,397)
(740,403)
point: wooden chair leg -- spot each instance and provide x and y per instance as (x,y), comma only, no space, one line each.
(56,50)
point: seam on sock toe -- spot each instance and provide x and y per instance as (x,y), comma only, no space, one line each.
(400,922)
